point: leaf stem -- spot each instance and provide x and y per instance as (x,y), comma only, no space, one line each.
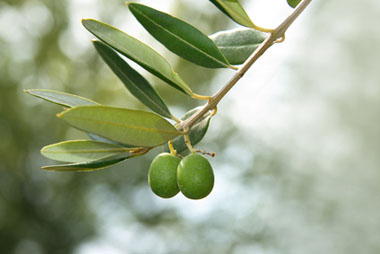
(276,35)
(262,29)
(200,97)
(188,144)
(233,67)
(175,118)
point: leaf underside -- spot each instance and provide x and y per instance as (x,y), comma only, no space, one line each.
(106,140)
(179,37)
(238,44)
(234,10)
(88,166)
(63,99)
(76,151)
(126,126)
(133,81)
(138,52)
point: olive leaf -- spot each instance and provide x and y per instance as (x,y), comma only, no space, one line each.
(179,37)
(68,100)
(294,3)
(238,44)
(138,52)
(132,80)
(234,10)
(106,140)
(126,126)
(81,151)
(88,166)
(63,99)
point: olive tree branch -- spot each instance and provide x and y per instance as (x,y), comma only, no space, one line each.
(275,36)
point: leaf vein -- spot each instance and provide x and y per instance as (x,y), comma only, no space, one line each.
(126,125)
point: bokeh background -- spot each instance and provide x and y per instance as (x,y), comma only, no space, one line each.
(297,140)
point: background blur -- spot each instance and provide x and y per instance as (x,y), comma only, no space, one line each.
(297,140)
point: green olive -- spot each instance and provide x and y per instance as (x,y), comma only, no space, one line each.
(162,175)
(195,177)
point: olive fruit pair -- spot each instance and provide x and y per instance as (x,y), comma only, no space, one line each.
(193,176)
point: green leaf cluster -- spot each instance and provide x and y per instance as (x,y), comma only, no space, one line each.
(118,134)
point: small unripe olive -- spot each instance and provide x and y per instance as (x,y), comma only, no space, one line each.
(195,177)
(162,175)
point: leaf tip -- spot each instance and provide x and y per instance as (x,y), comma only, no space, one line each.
(43,150)
(47,168)
(130,4)
(85,22)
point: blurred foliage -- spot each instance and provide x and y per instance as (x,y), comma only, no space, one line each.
(305,183)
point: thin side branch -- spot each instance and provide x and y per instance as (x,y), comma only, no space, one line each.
(276,35)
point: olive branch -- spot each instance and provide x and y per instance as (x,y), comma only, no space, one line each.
(118,134)
(275,36)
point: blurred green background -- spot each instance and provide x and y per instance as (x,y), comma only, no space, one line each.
(297,141)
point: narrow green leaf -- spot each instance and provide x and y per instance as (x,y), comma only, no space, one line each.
(61,98)
(196,134)
(88,166)
(68,101)
(238,44)
(81,151)
(294,3)
(138,52)
(234,10)
(132,80)
(179,37)
(132,127)
(105,140)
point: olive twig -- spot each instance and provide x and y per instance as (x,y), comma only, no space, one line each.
(275,35)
